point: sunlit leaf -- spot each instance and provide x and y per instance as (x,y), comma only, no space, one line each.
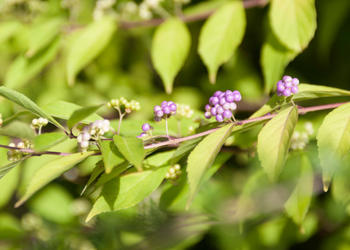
(220,36)
(274,141)
(170,47)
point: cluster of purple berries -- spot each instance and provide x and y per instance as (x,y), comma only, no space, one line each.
(165,110)
(147,130)
(287,86)
(221,105)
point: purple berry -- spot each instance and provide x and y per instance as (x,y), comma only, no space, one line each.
(207,107)
(143,134)
(228,92)
(287,78)
(295,89)
(166,110)
(237,96)
(219,110)
(222,100)
(172,107)
(157,119)
(287,92)
(233,106)
(159,113)
(227,106)
(157,108)
(213,111)
(280,86)
(230,98)
(146,127)
(217,93)
(219,118)
(164,104)
(227,114)
(207,115)
(295,81)
(288,85)
(214,100)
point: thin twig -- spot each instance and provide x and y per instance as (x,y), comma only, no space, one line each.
(187,19)
(175,141)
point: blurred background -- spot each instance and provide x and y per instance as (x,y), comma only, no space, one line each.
(34,37)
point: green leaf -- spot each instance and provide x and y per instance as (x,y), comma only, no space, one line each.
(221,35)
(23,69)
(18,129)
(274,141)
(53,203)
(8,185)
(96,172)
(51,171)
(202,157)
(310,91)
(26,103)
(128,190)
(81,114)
(340,183)
(274,59)
(43,33)
(298,203)
(64,110)
(293,22)
(88,44)
(132,149)
(7,168)
(48,140)
(333,140)
(110,155)
(170,47)
(159,159)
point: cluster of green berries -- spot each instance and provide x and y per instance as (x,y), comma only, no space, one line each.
(39,123)
(301,139)
(95,131)
(17,154)
(123,105)
(184,110)
(174,172)
(146,130)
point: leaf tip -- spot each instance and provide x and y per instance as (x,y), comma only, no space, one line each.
(19,203)
(212,78)
(168,88)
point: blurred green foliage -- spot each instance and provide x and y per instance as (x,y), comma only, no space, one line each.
(41,56)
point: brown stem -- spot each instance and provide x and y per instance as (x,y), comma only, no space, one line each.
(187,19)
(175,141)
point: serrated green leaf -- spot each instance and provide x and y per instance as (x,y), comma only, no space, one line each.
(41,34)
(128,190)
(333,140)
(220,36)
(159,159)
(47,140)
(80,114)
(88,44)
(132,149)
(202,157)
(274,59)
(274,141)
(110,155)
(28,104)
(298,203)
(64,110)
(51,171)
(170,47)
(293,22)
